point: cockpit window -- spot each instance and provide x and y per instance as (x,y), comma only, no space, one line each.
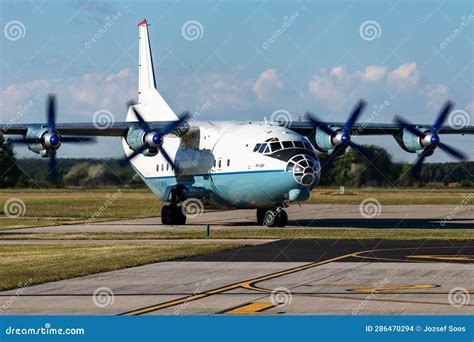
(299,144)
(275,146)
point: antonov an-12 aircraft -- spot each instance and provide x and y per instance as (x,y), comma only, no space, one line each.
(227,164)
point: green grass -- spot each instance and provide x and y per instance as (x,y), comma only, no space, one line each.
(390,196)
(36,264)
(260,233)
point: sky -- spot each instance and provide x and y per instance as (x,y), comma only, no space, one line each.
(240,60)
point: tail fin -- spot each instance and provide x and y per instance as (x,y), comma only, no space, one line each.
(154,107)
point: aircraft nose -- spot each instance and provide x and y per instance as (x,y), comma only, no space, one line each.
(306,169)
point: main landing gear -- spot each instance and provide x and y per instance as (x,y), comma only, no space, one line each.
(272,217)
(172,214)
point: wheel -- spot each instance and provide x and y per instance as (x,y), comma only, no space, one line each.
(165,214)
(260,216)
(172,214)
(270,218)
(176,215)
(282,219)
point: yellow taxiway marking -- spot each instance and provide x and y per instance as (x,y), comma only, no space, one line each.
(444,257)
(247,284)
(250,309)
(393,288)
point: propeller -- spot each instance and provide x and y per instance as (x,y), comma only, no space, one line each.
(51,139)
(154,138)
(430,140)
(341,139)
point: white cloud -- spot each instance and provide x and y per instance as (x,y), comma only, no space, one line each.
(339,71)
(435,95)
(326,89)
(405,75)
(470,107)
(267,82)
(77,95)
(374,73)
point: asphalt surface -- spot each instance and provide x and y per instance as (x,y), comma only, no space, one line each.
(307,216)
(318,277)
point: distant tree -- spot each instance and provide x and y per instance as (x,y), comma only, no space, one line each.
(9,171)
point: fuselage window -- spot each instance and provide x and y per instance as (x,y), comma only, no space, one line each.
(287,144)
(167,167)
(162,167)
(220,163)
(298,144)
(262,148)
(257,147)
(228,162)
(214,164)
(275,146)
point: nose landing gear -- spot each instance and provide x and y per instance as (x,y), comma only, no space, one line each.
(272,217)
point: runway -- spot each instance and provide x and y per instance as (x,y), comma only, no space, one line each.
(304,216)
(293,277)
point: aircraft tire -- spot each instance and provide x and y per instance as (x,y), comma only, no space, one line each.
(270,218)
(282,219)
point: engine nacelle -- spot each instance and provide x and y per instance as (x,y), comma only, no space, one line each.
(323,141)
(410,142)
(46,140)
(136,138)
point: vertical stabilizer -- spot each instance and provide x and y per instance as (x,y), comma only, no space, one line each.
(153,106)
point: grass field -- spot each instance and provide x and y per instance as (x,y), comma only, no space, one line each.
(53,206)
(26,265)
(259,233)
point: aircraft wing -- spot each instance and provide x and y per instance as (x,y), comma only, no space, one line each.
(117,129)
(307,127)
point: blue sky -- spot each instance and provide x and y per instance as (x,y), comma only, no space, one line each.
(248,60)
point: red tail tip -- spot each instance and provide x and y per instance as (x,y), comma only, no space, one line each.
(143,22)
